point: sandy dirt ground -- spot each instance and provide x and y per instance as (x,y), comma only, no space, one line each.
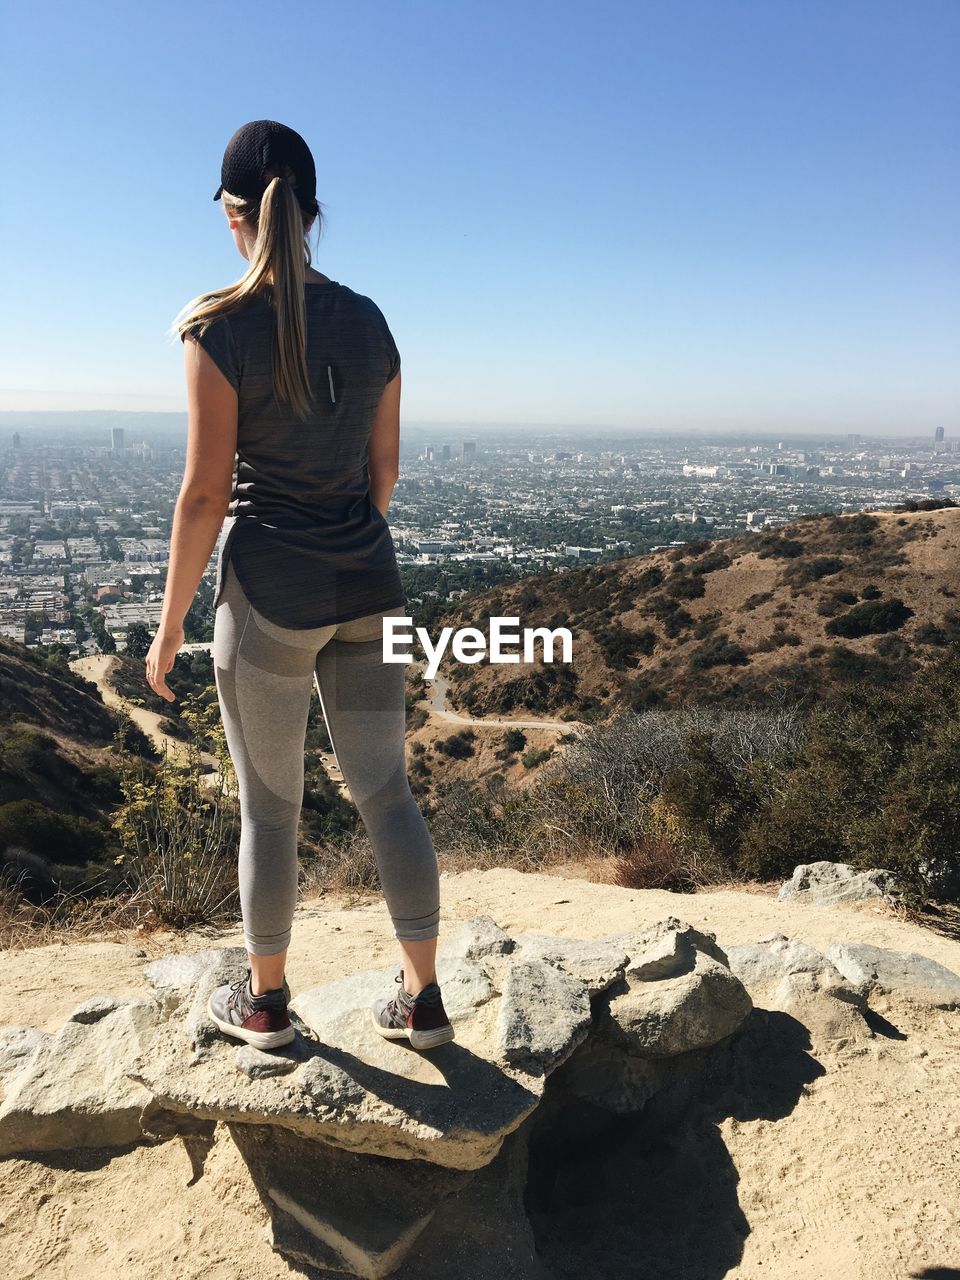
(849,1170)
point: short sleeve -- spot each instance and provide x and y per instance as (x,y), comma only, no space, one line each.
(218,342)
(391,354)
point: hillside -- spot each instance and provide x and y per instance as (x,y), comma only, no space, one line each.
(802,609)
(794,614)
(58,780)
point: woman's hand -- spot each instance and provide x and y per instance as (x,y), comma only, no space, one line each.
(161,656)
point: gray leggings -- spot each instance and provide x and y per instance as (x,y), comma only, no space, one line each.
(265,677)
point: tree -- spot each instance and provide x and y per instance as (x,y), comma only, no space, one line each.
(138,640)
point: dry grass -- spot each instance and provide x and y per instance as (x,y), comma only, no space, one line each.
(66,917)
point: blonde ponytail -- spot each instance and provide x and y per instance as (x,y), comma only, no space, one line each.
(276,273)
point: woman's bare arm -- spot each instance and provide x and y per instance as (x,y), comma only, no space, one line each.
(383,448)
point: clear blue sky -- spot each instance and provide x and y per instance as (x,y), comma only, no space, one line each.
(687,213)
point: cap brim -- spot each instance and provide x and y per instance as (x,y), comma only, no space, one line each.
(218,192)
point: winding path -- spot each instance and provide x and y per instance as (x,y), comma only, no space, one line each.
(98,667)
(437,702)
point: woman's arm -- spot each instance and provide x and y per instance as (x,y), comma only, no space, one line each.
(201,504)
(383,447)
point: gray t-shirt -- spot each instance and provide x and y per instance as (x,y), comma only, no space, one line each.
(307,544)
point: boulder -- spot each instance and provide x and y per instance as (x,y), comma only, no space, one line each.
(71,1089)
(825,883)
(788,975)
(904,974)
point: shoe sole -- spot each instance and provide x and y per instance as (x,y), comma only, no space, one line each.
(259,1039)
(418,1039)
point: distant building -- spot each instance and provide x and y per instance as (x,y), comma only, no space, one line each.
(116,439)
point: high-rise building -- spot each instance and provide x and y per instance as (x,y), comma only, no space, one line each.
(938,435)
(116,439)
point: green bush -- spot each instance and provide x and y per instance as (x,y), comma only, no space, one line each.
(622,647)
(723,652)
(458,746)
(57,837)
(872,617)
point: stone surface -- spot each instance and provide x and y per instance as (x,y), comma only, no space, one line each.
(785,966)
(676,996)
(335,1209)
(72,1089)
(904,974)
(688,1010)
(825,883)
(544,1014)
(788,975)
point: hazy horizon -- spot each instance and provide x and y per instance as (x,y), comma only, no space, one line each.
(175,421)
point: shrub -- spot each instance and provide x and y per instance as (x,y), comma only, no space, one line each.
(711,563)
(685,586)
(458,746)
(622,647)
(813,570)
(179,835)
(649,579)
(53,836)
(788,548)
(723,652)
(870,618)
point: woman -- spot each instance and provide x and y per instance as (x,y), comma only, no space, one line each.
(293,389)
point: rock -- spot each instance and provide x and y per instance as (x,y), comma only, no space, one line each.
(256,1063)
(72,1090)
(788,975)
(642,943)
(601,1073)
(477,937)
(677,995)
(684,1011)
(824,883)
(904,974)
(544,1014)
(343,1084)
(17,1043)
(367,1153)
(775,965)
(596,964)
(335,1209)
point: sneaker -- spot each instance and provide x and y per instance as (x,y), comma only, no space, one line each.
(421,1017)
(260,1020)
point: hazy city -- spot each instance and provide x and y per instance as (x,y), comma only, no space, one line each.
(86,511)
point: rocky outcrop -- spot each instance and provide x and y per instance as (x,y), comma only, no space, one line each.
(370,1157)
